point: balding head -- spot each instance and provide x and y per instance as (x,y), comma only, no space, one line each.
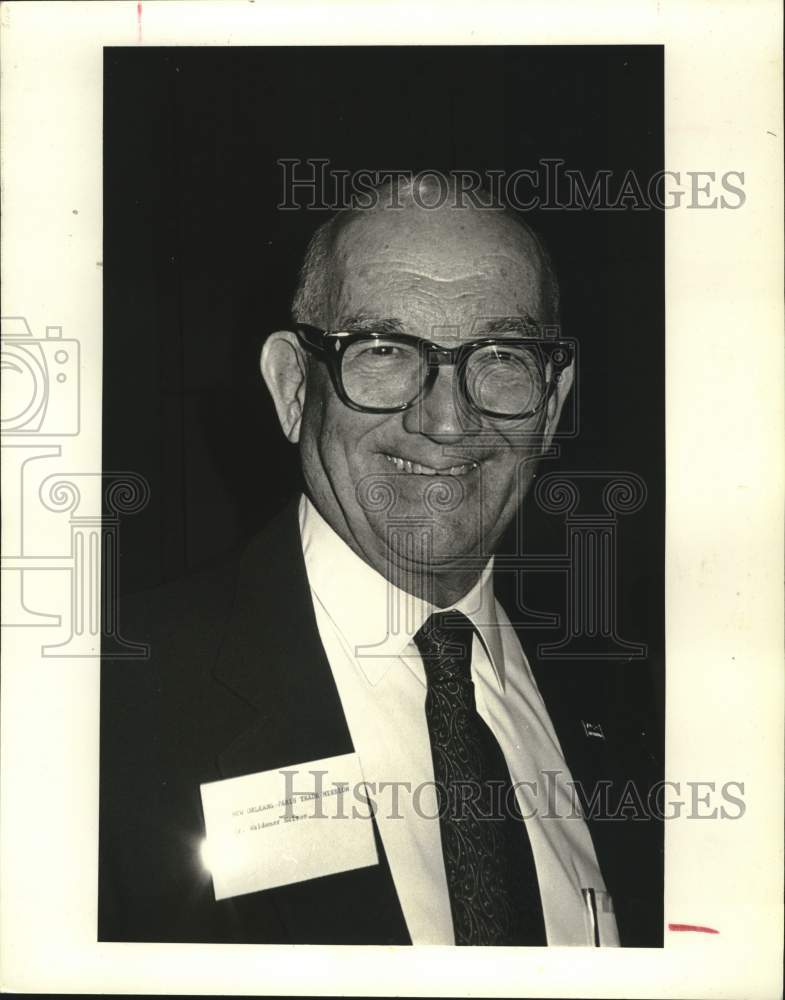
(422,223)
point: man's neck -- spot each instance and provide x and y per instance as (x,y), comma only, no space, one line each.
(440,588)
(441,584)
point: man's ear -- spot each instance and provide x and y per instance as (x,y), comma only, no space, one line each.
(556,401)
(283,367)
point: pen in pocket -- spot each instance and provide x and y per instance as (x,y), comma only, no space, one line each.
(590,899)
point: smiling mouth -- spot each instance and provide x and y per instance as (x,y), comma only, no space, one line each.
(417,469)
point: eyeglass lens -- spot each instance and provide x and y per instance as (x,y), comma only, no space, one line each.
(502,379)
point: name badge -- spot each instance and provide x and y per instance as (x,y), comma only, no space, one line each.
(288,825)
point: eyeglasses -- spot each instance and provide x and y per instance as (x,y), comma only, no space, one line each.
(506,378)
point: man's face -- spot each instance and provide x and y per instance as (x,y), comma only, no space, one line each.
(440,276)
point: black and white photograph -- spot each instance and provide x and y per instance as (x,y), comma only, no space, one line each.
(403,396)
(387,516)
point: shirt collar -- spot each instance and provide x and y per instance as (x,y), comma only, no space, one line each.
(377,620)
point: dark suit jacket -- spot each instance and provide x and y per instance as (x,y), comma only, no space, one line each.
(237,682)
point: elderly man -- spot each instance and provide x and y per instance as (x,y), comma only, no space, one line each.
(420,387)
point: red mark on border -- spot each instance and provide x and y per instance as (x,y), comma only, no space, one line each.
(692,927)
(138,22)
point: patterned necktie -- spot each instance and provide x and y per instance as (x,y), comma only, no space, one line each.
(492,881)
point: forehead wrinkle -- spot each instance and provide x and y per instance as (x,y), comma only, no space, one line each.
(485,265)
(412,286)
(403,309)
(438,293)
(405,269)
(398,271)
(398,298)
(387,284)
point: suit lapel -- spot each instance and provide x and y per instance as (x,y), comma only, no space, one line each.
(272,659)
(574,694)
(603,716)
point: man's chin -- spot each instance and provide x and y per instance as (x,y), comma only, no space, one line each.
(417,548)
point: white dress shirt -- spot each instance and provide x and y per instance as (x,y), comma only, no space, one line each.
(367,626)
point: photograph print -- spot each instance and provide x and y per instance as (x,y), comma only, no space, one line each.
(384,343)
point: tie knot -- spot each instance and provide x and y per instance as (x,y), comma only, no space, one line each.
(445,645)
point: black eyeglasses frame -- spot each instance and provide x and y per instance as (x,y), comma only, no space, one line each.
(330,345)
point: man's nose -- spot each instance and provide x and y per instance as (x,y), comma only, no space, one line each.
(439,413)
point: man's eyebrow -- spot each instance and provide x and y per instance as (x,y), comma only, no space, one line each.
(363,323)
(509,324)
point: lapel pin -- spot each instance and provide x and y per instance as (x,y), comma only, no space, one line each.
(593,730)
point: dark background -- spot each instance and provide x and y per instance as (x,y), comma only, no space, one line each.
(200,265)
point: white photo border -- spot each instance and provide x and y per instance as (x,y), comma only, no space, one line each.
(724,520)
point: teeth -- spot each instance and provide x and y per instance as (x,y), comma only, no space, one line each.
(404,465)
